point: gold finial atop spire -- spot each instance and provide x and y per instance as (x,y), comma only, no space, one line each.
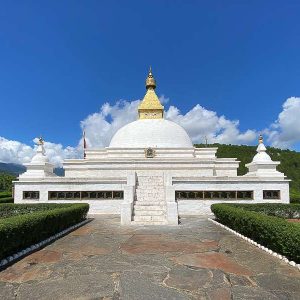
(261,139)
(150,81)
(150,107)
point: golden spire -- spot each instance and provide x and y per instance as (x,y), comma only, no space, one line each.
(261,139)
(150,81)
(150,107)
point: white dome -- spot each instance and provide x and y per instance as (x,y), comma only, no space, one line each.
(262,157)
(155,133)
(39,158)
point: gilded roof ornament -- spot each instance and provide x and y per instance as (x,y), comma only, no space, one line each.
(150,81)
(150,107)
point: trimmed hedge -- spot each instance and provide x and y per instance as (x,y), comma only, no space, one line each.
(5,194)
(285,211)
(6,200)
(21,231)
(294,195)
(9,210)
(272,232)
(295,199)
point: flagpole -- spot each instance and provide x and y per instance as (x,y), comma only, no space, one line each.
(84,144)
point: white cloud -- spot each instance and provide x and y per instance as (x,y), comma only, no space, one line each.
(56,153)
(163,100)
(199,122)
(101,126)
(19,153)
(285,131)
(14,152)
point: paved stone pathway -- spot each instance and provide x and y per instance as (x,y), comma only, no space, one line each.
(196,260)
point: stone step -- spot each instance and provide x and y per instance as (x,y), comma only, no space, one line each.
(149,181)
(150,186)
(149,218)
(150,207)
(149,213)
(149,193)
(158,202)
(141,223)
(151,177)
(149,199)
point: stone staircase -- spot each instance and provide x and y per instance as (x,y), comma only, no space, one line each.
(150,205)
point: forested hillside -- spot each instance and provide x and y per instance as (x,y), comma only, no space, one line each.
(6,181)
(290,161)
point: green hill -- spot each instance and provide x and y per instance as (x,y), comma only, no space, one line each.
(6,181)
(289,161)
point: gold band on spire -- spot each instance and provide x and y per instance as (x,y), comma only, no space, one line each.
(150,81)
(150,107)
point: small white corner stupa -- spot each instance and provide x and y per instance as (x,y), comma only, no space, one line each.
(39,167)
(262,164)
(151,174)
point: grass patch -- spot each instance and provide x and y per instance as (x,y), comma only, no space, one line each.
(270,231)
(22,225)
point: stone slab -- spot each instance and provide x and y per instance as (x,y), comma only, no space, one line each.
(104,260)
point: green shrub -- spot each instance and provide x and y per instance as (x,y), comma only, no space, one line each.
(294,195)
(272,232)
(285,211)
(6,181)
(20,231)
(295,200)
(9,210)
(6,200)
(5,195)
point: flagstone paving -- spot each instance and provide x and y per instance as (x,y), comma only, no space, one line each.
(196,260)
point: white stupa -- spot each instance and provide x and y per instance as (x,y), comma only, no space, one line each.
(262,164)
(151,173)
(39,167)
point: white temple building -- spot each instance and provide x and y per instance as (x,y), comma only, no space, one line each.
(152,174)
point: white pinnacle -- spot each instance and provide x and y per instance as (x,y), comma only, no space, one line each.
(261,155)
(40,156)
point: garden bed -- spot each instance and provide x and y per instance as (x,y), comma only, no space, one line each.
(265,224)
(22,225)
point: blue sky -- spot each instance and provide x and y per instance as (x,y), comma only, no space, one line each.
(61,60)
